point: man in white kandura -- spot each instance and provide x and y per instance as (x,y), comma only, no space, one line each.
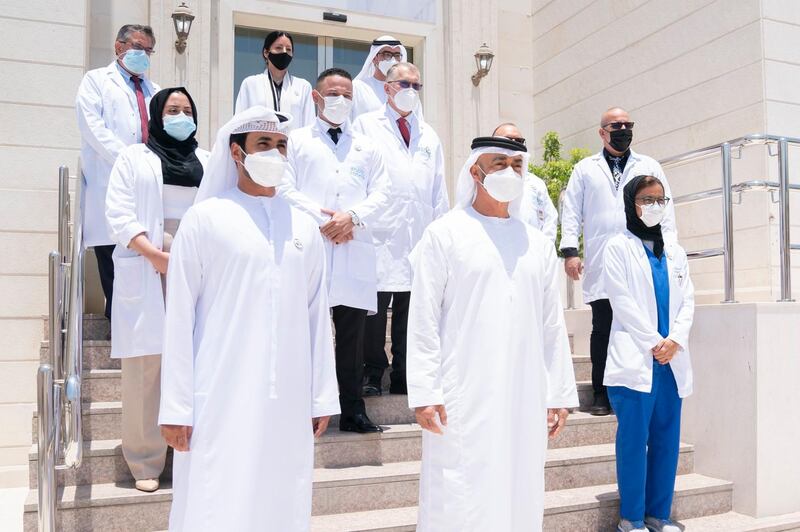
(536,208)
(488,353)
(368,92)
(337,176)
(415,163)
(248,375)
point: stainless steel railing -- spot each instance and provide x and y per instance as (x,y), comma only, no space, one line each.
(726,191)
(60,441)
(783,186)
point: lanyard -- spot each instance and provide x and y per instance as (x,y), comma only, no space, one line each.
(276,101)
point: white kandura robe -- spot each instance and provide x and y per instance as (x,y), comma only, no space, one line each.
(486,338)
(248,361)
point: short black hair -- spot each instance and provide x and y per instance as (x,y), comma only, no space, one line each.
(335,71)
(274,36)
(238,138)
(127,30)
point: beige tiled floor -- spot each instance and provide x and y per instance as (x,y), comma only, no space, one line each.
(12,501)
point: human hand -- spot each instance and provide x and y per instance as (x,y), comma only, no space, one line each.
(319,425)
(665,351)
(426,417)
(160,261)
(177,436)
(573,267)
(338,226)
(556,418)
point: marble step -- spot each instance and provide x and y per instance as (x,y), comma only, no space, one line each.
(102,421)
(583,509)
(568,467)
(119,507)
(735,522)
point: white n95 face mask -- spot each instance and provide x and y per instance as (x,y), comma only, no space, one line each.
(337,109)
(386,64)
(406,99)
(266,168)
(504,186)
(652,215)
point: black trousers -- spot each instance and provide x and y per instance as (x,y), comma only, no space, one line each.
(349,325)
(105,266)
(375,359)
(598,346)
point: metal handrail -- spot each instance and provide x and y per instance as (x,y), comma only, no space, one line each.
(60,440)
(726,191)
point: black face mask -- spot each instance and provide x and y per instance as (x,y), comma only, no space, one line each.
(281,61)
(621,139)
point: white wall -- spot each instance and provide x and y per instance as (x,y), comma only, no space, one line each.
(41,59)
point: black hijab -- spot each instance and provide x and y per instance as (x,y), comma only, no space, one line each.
(634,223)
(179,164)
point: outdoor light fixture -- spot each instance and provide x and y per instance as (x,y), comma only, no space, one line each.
(483,58)
(182,17)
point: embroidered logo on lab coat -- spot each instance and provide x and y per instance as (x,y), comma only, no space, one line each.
(425,152)
(357,171)
(298,244)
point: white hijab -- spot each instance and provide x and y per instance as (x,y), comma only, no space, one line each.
(221,174)
(368,70)
(466,187)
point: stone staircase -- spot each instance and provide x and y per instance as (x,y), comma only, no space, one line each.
(361,482)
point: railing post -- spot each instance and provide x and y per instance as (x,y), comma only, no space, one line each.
(727,222)
(46,449)
(55,313)
(63,213)
(784,236)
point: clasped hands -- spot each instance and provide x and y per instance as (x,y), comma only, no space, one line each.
(665,350)
(339,229)
(427,419)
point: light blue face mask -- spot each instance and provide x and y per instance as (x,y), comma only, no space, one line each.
(136,61)
(179,126)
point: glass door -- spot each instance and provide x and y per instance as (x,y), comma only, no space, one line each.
(312,55)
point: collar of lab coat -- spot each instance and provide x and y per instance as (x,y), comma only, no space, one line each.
(113,71)
(601,161)
(323,127)
(389,120)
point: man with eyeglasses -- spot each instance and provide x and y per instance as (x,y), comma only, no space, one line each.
(536,208)
(412,153)
(112,106)
(593,205)
(368,91)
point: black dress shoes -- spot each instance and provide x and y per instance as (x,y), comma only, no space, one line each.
(358,423)
(601,407)
(372,388)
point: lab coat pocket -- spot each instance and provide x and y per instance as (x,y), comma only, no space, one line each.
(129,275)
(361,261)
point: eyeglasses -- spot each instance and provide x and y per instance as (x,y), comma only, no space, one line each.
(136,46)
(651,200)
(397,56)
(618,125)
(407,84)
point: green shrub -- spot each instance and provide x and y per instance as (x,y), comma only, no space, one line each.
(555,172)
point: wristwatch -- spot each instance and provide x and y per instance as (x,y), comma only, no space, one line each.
(354,217)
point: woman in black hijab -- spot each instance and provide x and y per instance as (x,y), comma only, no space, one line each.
(150,188)
(648,371)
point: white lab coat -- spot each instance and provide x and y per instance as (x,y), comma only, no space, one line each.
(536,207)
(486,338)
(593,205)
(248,362)
(108,120)
(350,175)
(418,192)
(295,97)
(134,205)
(634,328)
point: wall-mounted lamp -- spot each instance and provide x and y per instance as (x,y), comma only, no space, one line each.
(483,58)
(182,17)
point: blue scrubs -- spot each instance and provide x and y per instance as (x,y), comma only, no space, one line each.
(648,432)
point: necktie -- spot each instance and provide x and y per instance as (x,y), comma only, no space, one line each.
(142,107)
(334,132)
(402,124)
(616,170)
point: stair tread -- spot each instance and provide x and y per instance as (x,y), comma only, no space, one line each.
(735,522)
(554,502)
